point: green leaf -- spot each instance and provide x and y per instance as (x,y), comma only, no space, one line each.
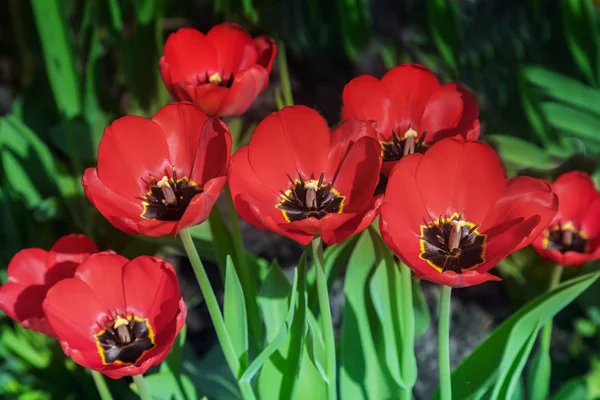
(573,121)
(279,376)
(421,309)
(173,360)
(312,380)
(58,56)
(220,238)
(77,128)
(539,375)
(364,373)
(95,117)
(581,32)
(532,109)
(234,310)
(272,300)
(572,390)
(585,328)
(167,386)
(482,365)
(18,179)
(316,346)
(443,22)
(516,353)
(520,153)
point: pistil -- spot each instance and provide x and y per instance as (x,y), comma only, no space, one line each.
(122,327)
(165,186)
(455,234)
(311,193)
(409,141)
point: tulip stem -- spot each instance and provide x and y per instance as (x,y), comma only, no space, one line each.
(444,343)
(214,311)
(409,367)
(243,270)
(143,391)
(547,330)
(284,75)
(325,311)
(101,385)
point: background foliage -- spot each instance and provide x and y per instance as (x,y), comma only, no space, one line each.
(70,67)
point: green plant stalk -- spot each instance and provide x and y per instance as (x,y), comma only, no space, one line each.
(444,343)
(325,312)
(101,386)
(284,75)
(143,391)
(248,284)
(408,340)
(214,311)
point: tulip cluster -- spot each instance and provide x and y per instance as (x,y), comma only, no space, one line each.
(448,211)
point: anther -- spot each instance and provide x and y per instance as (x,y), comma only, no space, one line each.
(455,234)
(167,190)
(215,78)
(409,141)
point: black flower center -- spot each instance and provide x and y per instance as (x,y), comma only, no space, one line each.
(216,78)
(310,199)
(565,237)
(167,199)
(452,244)
(399,147)
(124,340)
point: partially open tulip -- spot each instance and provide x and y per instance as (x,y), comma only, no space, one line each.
(117,316)
(299,179)
(31,272)
(451,215)
(573,236)
(222,72)
(160,175)
(412,110)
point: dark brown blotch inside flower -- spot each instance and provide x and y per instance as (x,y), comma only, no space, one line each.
(451,244)
(310,198)
(168,198)
(564,237)
(125,340)
(399,147)
(216,78)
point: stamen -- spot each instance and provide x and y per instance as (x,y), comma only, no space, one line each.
(120,321)
(215,78)
(121,326)
(409,141)
(455,235)
(567,238)
(311,193)
(167,190)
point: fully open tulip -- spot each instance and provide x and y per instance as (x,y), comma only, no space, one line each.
(158,176)
(299,179)
(412,110)
(31,272)
(573,236)
(451,215)
(222,72)
(117,316)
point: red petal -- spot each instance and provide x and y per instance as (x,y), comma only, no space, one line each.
(576,192)
(151,290)
(451,278)
(22,303)
(156,228)
(131,149)
(208,97)
(366,98)
(28,267)
(246,86)
(189,54)
(199,208)
(120,212)
(103,273)
(357,224)
(212,152)
(451,110)
(66,255)
(409,87)
(266,51)
(76,315)
(460,176)
(358,174)
(181,124)
(590,223)
(230,42)
(295,139)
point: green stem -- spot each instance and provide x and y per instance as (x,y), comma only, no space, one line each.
(243,270)
(101,386)
(284,75)
(214,311)
(547,329)
(325,312)
(444,343)
(143,391)
(409,375)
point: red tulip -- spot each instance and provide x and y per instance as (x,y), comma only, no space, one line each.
(222,72)
(31,272)
(451,215)
(299,179)
(412,110)
(158,176)
(573,236)
(117,316)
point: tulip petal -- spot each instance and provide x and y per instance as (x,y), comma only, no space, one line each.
(451,278)
(212,152)
(230,42)
(65,256)
(199,208)
(366,98)
(266,51)
(356,224)
(189,53)
(576,192)
(28,267)
(246,86)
